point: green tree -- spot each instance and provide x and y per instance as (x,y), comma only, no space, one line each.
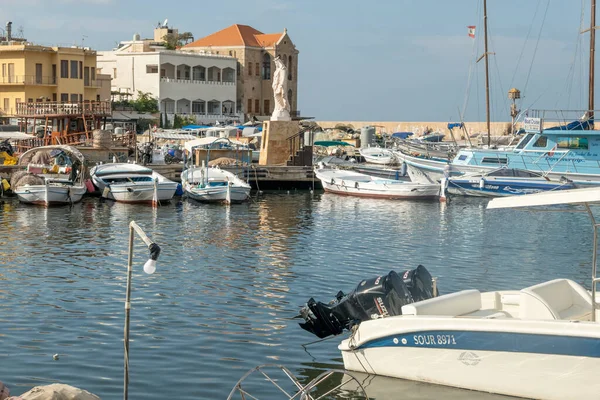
(173,41)
(145,103)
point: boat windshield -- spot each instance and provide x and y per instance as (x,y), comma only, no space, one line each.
(525,140)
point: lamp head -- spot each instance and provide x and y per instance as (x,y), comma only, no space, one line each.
(150,265)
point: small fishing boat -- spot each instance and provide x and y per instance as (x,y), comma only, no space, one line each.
(505,182)
(353,183)
(378,155)
(214,185)
(132,183)
(54,176)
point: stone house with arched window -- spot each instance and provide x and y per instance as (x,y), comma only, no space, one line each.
(255,52)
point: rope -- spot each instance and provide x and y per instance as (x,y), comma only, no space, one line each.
(526,39)
(536,47)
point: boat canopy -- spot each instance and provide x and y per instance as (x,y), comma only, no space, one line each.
(189,145)
(574,126)
(71,151)
(330,143)
(452,125)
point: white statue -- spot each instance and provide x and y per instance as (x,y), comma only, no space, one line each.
(282,106)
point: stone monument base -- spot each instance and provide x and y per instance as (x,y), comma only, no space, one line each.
(281,115)
(274,148)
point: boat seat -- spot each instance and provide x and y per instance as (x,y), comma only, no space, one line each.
(453,304)
(556,299)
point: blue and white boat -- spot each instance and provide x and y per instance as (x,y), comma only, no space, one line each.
(540,342)
(569,150)
(505,182)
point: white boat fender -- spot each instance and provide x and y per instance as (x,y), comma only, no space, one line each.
(403,169)
(481,183)
(443,185)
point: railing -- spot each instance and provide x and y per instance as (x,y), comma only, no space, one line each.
(297,142)
(194,81)
(27,80)
(63,108)
(84,139)
(91,83)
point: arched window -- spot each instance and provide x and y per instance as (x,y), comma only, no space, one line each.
(284,59)
(289,67)
(290,97)
(266,69)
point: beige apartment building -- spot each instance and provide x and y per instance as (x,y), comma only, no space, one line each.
(33,73)
(255,52)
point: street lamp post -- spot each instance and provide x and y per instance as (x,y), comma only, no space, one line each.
(149,268)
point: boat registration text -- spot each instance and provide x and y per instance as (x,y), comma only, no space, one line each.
(440,340)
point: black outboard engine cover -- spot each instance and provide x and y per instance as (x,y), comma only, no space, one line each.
(378,297)
(419,283)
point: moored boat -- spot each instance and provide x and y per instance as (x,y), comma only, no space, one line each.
(54,176)
(378,155)
(353,183)
(505,182)
(132,183)
(214,185)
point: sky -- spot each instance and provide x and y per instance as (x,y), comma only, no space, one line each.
(378,60)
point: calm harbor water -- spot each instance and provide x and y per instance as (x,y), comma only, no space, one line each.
(229,280)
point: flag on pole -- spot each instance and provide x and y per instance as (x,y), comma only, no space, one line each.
(471,31)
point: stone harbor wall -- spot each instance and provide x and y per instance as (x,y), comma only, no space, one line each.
(55,391)
(418,128)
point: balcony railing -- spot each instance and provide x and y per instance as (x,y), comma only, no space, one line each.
(98,108)
(27,80)
(193,81)
(92,83)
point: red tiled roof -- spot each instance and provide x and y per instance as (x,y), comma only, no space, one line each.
(237,35)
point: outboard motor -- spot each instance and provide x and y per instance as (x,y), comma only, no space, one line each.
(374,298)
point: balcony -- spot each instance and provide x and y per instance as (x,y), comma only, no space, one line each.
(27,80)
(91,83)
(192,81)
(87,108)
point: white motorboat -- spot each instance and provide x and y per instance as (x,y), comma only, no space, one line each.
(54,176)
(378,155)
(214,185)
(353,183)
(540,342)
(132,183)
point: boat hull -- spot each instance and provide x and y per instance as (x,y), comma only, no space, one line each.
(219,195)
(136,193)
(540,359)
(497,188)
(360,185)
(52,196)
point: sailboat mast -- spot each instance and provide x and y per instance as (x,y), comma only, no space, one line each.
(487,78)
(592,57)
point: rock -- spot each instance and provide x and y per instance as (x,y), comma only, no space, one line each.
(58,391)
(4,392)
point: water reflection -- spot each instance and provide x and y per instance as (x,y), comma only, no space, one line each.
(229,280)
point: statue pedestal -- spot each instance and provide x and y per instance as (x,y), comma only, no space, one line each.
(274,148)
(281,115)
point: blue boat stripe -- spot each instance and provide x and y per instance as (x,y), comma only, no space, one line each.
(493,341)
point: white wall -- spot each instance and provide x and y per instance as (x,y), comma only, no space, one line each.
(132,75)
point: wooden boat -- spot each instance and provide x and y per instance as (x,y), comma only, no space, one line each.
(54,176)
(214,185)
